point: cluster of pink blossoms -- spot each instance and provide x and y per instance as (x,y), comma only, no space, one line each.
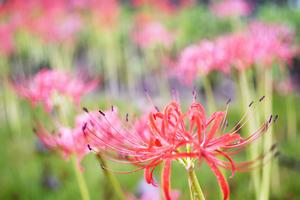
(202,59)
(68,141)
(47,83)
(150,33)
(261,44)
(163,136)
(54,21)
(231,8)
(166,6)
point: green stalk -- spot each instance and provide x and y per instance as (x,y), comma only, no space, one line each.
(251,126)
(210,100)
(80,179)
(291,117)
(194,185)
(112,179)
(266,173)
(63,113)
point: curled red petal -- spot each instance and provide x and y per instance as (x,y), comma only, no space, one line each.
(221,179)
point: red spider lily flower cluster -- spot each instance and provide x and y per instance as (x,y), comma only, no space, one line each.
(47,83)
(260,44)
(151,33)
(163,136)
(231,8)
(68,141)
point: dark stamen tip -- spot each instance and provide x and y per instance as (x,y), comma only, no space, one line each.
(228,101)
(156,108)
(270,119)
(102,113)
(277,154)
(84,126)
(34,130)
(102,166)
(251,103)
(275,118)
(89,147)
(126,117)
(273,147)
(262,98)
(112,108)
(85,109)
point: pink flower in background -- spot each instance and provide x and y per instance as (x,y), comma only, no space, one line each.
(231,8)
(202,59)
(6,39)
(239,50)
(151,33)
(167,6)
(56,29)
(271,42)
(66,140)
(105,13)
(47,83)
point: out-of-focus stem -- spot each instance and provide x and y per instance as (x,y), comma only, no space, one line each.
(251,126)
(194,185)
(80,179)
(291,117)
(210,100)
(112,179)
(11,108)
(266,173)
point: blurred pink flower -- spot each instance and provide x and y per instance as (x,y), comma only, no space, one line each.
(56,29)
(46,83)
(149,33)
(202,59)
(105,13)
(231,8)
(167,6)
(271,42)
(7,32)
(66,140)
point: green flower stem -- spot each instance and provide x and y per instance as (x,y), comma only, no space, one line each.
(63,116)
(194,185)
(291,117)
(251,126)
(80,179)
(112,179)
(210,100)
(266,173)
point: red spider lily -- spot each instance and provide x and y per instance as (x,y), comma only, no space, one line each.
(231,8)
(46,83)
(163,136)
(66,140)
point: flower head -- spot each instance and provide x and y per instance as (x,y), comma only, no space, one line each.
(166,6)
(68,141)
(43,87)
(151,33)
(164,136)
(201,58)
(231,8)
